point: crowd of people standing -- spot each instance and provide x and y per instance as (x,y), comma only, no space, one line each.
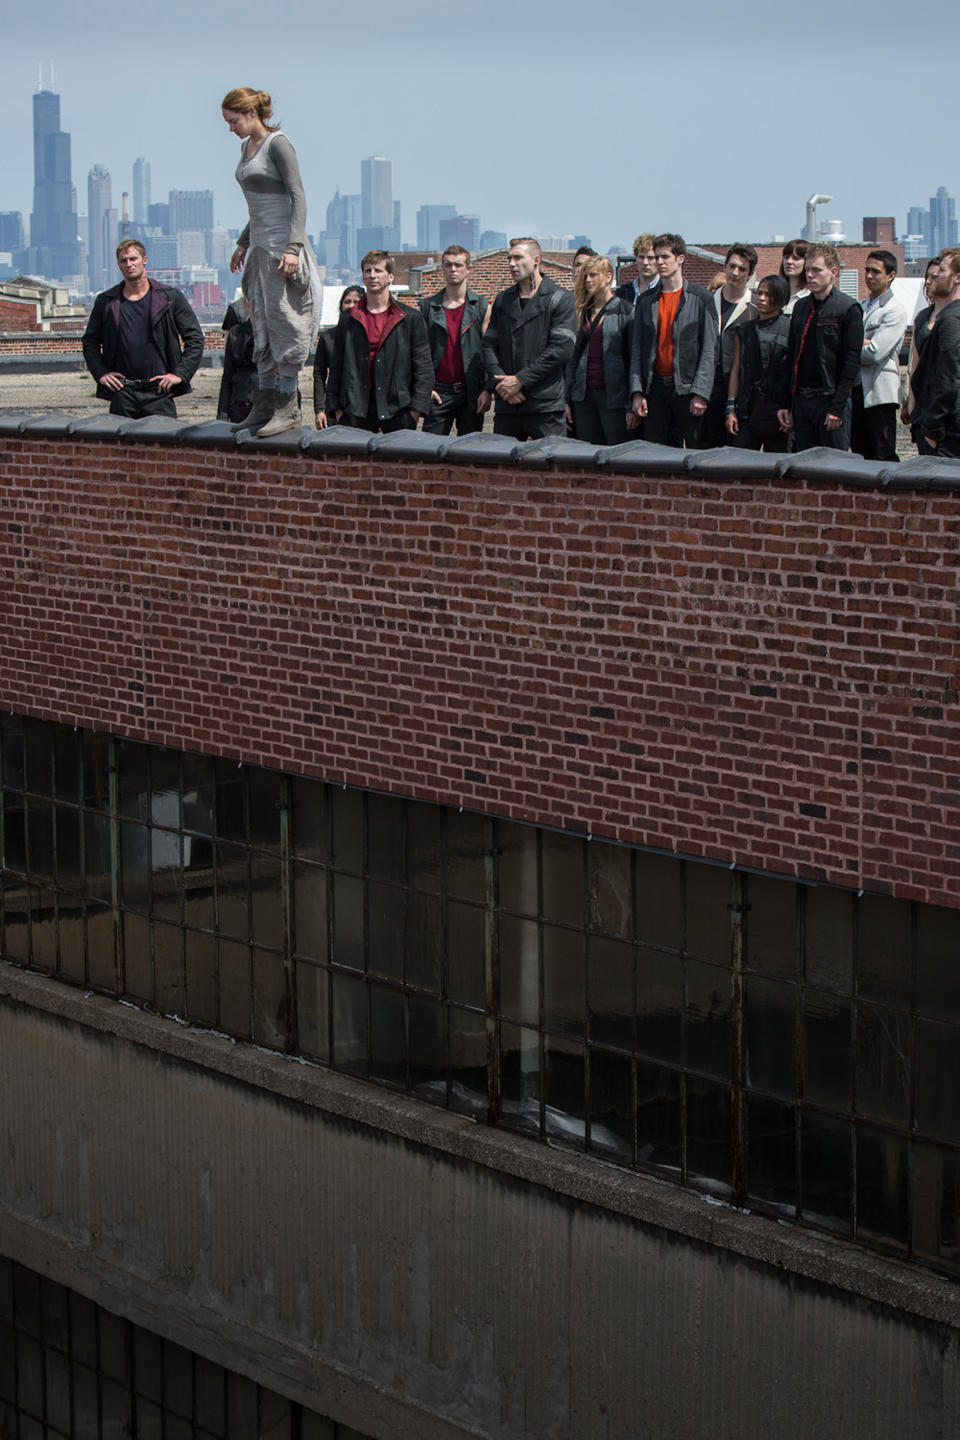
(789,362)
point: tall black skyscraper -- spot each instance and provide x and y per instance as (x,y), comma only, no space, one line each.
(54,246)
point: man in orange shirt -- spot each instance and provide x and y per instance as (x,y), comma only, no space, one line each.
(674,351)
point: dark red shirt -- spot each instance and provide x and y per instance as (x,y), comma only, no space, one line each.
(378,327)
(595,376)
(450,370)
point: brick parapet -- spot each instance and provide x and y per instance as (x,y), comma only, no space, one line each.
(755,673)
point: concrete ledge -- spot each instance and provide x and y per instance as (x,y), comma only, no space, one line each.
(649,1202)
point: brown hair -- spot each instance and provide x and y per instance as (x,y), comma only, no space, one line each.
(456,250)
(953,256)
(643,244)
(530,243)
(827,253)
(373,255)
(131,245)
(244,100)
(597,264)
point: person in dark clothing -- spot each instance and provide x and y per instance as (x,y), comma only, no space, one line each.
(454,319)
(380,376)
(922,321)
(598,402)
(528,341)
(238,384)
(646,277)
(323,358)
(758,371)
(936,379)
(142,343)
(674,351)
(823,357)
(734,306)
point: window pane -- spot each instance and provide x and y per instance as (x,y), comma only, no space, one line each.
(132,784)
(562,861)
(936,1204)
(269,1000)
(660,1005)
(197,878)
(883,959)
(43,929)
(660,900)
(310,911)
(232,891)
(519,970)
(236,988)
(564,994)
(707,1114)
(96,830)
(884,1050)
(312,1010)
(201,967)
(348,936)
(137,969)
(265,801)
(707,1019)
(771,1152)
(612,1104)
(882,1188)
(427,1021)
(96,770)
(827,1050)
(266,901)
(610,880)
(771,1036)
(466,949)
(165,788)
(134,866)
(520,1078)
(468,847)
(425,845)
(39,758)
(40,839)
(469,1047)
(938,961)
(658,1116)
(707,909)
(14,832)
(772,936)
(564,1090)
(517,867)
(166,868)
(611,972)
(825,1158)
(385,857)
(168,968)
(425,941)
(101,946)
(198,794)
(388,1040)
(350,1042)
(828,926)
(347,808)
(230,801)
(309,828)
(69,858)
(386,920)
(938,1080)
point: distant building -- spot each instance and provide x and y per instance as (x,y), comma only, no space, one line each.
(102,223)
(493,240)
(376,193)
(428,224)
(11,230)
(141,191)
(158,217)
(879,229)
(54,238)
(191,210)
(937,225)
(460,230)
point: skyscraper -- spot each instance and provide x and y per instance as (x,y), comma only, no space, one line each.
(376,193)
(428,224)
(102,220)
(191,210)
(141,190)
(943,221)
(54,245)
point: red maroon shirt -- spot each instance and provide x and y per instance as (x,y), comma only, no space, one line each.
(450,370)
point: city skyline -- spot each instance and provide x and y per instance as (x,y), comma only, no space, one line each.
(546,160)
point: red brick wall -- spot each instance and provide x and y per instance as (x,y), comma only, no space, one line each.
(490,273)
(19,314)
(67,341)
(759,673)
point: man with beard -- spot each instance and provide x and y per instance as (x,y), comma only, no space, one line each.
(936,380)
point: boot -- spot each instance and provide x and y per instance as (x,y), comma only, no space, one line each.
(260,412)
(287,415)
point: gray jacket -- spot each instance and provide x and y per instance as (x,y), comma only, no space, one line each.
(694,342)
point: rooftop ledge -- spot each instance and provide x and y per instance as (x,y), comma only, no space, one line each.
(637,457)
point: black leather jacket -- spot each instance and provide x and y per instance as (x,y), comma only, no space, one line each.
(533,341)
(172,322)
(837,332)
(403,374)
(471,337)
(936,379)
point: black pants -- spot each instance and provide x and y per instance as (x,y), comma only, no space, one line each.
(669,421)
(598,424)
(403,420)
(137,400)
(538,426)
(454,409)
(873,429)
(810,423)
(761,429)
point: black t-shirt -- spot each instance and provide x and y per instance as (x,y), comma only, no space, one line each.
(808,370)
(139,357)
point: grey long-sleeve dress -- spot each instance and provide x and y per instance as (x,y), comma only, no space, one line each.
(285,313)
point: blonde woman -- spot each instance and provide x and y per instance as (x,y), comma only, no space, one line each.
(281,282)
(597,376)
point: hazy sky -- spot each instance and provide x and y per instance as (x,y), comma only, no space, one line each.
(714,121)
